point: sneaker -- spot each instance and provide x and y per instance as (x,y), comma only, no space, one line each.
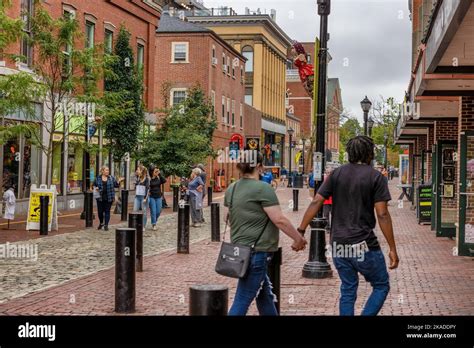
(154,228)
(100,226)
(106,228)
(196,225)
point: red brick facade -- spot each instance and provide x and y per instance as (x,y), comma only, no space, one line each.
(217,84)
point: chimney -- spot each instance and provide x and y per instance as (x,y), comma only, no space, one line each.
(273,14)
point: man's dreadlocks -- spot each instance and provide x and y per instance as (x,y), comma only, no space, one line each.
(360,149)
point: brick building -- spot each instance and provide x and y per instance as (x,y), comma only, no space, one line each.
(100,21)
(189,55)
(438,124)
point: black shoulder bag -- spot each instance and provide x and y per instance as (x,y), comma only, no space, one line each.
(234,259)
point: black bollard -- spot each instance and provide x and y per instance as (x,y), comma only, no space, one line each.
(209,300)
(124,205)
(209,196)
(89,208)
(44,205)
(183,229)
(317,266)
(295,199)
(135,220)
(175,198)
(125,270)
(274,273)
(215,222)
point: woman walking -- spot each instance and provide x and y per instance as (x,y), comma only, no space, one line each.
(155,196)
(104,186)
(142,186)
(255,219)
(195,189)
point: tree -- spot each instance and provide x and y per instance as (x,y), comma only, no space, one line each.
(124,112)
(185,137)
(63,74)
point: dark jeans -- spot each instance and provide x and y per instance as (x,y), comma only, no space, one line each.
(255,285)
(374,270)
(104,211)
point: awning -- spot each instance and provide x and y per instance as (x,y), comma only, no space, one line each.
(273,127)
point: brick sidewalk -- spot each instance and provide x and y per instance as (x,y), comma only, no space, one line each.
(429,280)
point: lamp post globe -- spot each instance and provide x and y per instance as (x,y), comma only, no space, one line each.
(366,104)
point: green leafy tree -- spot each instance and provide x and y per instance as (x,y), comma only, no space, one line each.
(63,73)
(124,112)
(348,130)
(185,137)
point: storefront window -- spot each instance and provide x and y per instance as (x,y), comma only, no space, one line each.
(11,164)
(31,168)
(74,169)
(56,166)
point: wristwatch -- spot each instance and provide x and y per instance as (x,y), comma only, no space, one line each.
(300,230)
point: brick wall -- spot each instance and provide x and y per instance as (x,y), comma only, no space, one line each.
(446,130)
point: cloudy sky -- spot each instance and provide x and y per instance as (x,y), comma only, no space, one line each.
(370,42)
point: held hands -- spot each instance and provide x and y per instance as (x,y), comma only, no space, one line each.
(299,244)
(394,260)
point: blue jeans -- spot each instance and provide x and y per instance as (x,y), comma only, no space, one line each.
(256,284)
(139,204)
(155,209)
(374,270)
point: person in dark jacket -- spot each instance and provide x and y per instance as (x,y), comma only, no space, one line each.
(155,196)
(104,186)
(204,192)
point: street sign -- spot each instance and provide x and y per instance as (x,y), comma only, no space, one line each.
(318,166)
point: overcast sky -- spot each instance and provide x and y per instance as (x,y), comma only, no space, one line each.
(370,42)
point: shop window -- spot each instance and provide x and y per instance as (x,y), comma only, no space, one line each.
(74,169)
(31,168)
(56,166)
(11,164)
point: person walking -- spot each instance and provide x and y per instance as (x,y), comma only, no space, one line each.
(104,187)
(356,189)
(195,189)
(155,196)
(327,205)
(204,190)
(142,186)
(255,218)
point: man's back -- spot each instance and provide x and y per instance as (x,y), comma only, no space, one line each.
(355,189)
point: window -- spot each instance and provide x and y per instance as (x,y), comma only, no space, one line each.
(180,52)
(233,113)
(140,55)
(178,95)
(67,62)
(228,65)
(223,59)
(228,111)
(247,52)
(242,75)
(109,41)
(213,101)
(249,96)
(26,49)
(308,58)
(90,27)
(214,51)
(223,109)
(241,116)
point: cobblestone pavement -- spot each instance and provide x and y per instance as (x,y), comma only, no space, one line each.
(429,280)
(65,257)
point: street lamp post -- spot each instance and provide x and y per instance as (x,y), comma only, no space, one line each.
(366,104)
(385,139)
(290,178)
(317,265)
(370,124)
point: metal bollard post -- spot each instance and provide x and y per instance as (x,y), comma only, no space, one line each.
(175,198)
(274,273)
(215,222)
(135,220)
(209,300)
(209,196)
(125,270)
(295,199)
(183,229)
(124,205)
(89,202)
(44,206)
(317,266)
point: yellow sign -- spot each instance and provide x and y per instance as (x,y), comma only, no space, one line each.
(297,158)
(34,209)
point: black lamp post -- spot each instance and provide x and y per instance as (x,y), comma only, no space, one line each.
(370,124)
(385,140)
(317,266)
(366,104)
(290,178)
